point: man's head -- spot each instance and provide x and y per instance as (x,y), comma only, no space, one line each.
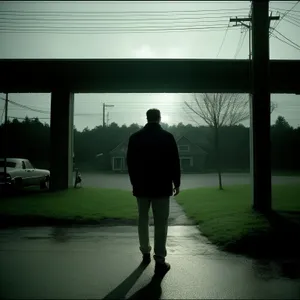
(153,115)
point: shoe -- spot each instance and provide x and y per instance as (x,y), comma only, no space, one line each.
(162,268)
(146,258)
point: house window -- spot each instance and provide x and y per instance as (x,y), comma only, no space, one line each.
(184,148)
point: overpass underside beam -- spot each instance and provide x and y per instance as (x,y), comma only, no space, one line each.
(142,75)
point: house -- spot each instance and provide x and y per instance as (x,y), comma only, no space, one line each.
(192,156)
(118,157)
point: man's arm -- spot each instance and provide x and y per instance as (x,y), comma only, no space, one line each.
(130,160)
(175,161)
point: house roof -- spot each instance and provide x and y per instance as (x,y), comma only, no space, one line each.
(119,145)
(184,137)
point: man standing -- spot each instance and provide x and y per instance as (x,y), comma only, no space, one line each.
(154,171)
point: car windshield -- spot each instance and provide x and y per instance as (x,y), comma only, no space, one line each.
(9,164)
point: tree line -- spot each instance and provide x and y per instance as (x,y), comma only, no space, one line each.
(30,138)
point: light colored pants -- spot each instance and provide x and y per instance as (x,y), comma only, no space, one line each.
(160,209)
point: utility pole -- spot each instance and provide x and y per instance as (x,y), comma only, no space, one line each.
(5,137)
(242,21)
(107,118)
(104,112)
(248,25)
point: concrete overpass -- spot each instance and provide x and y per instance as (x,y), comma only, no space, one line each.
(142,75)
(258,76)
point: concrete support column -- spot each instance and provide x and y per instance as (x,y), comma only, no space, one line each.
(260,109)
(62,139)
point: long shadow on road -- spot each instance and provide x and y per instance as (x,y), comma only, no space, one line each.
(123,288)
(151,291)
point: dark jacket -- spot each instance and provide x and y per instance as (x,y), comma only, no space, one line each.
(153,162)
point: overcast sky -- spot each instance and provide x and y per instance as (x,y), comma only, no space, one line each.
(137,30)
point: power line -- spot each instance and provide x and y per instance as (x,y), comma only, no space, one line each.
(10,26)
(285,42)
(224,38)
(125,103)
(290,15)
(131,12)
(293,14)
(122,111)
(248,19)
(123,106)
(291,22)
(295,44)
(113,27)
(291,18)
(106,16)
(23,118)
(137,30)
(170,107)
(44,111)
(290,10)
(48,118)
(96,16)
(295,19)
(122,20)
(286,13)
(173,25)
(127,106)
(240,43)
(26,107)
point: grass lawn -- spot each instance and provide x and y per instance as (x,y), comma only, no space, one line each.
(84,205)
(228,221)
(286,173)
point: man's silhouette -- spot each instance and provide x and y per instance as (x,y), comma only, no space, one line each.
(154,171)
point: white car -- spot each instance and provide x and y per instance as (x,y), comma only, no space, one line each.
(20,173)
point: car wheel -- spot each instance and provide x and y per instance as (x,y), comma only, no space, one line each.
(18,184)
(44,184)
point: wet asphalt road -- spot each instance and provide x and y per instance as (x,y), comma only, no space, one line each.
(121,181)
(97,263)
(102,262)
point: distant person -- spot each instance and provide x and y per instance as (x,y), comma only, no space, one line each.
(154,171)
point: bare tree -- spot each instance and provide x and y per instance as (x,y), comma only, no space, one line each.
(218,110)
(274,106)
